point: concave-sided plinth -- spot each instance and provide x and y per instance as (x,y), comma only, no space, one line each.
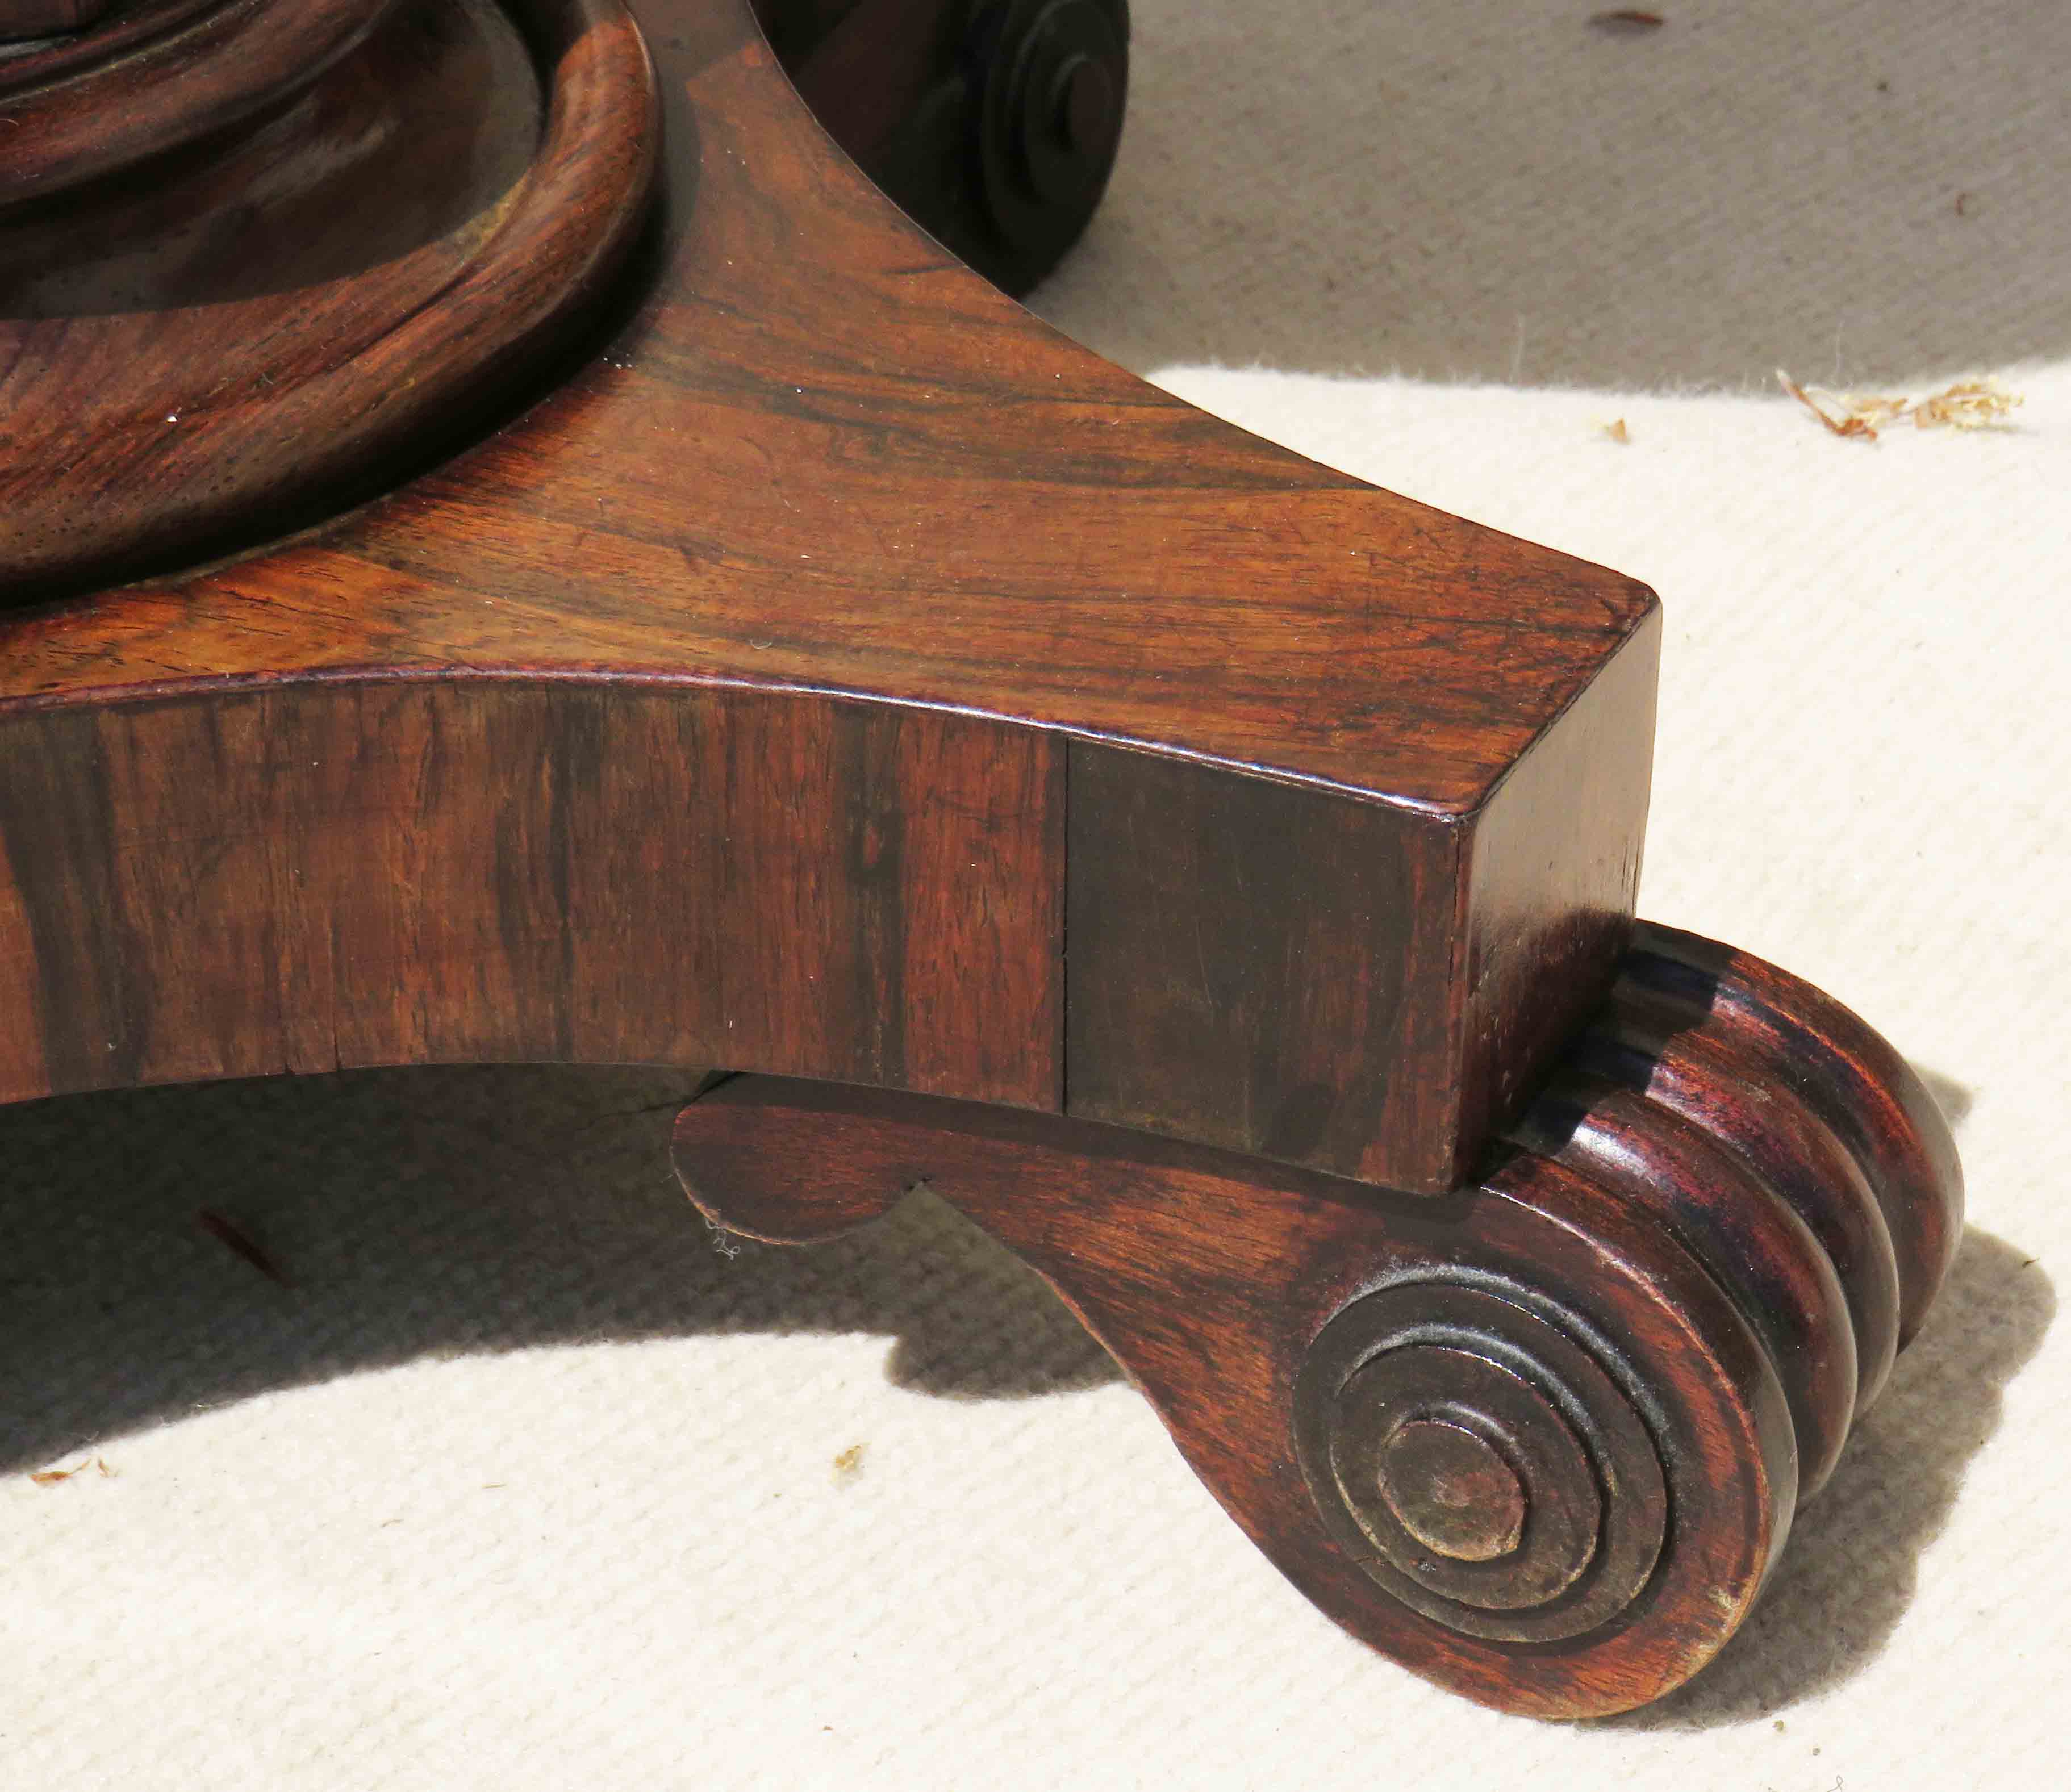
(835,622)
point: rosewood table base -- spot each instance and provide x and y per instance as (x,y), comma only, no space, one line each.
(512,548)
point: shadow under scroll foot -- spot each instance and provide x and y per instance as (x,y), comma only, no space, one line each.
(435,1212)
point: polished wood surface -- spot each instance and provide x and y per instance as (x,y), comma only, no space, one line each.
(1263,961)
(1209,1277)
(1858,1083)
(398,873)
(159,78)
(998,520)
(813,457)
(189,351)
(1542,1440)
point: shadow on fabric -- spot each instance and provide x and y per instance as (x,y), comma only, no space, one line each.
(429,1212)
(443,1212)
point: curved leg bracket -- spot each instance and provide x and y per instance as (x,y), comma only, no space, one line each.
(1540,1440)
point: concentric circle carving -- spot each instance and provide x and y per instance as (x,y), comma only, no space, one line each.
(1482,1458)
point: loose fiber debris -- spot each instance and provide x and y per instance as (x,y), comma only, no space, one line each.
(1968,404)
(1626,18)
(50,1477)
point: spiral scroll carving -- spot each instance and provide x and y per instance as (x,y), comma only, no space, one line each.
(1551,1431)
(1490,1458)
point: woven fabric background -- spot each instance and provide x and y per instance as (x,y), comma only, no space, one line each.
(526,1485)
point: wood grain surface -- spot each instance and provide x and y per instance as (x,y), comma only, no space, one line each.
(811,665)
(171,76)
(405,873)
(811,457)
(1254,965)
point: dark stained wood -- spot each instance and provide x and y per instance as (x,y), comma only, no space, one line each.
(994,124)
(904,485)
(1651,1046)
(1452,1489)
(1261,966)
(794,27)
(1788,1032)
(1764,1253)
(1552,875)
(32,63)
(817,458)
(1358,987)
(1540,1440)
(185,353)
(374,872)
(20,19)
(864,74)
(172,76)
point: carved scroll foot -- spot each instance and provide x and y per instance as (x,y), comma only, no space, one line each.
(1540,1440)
